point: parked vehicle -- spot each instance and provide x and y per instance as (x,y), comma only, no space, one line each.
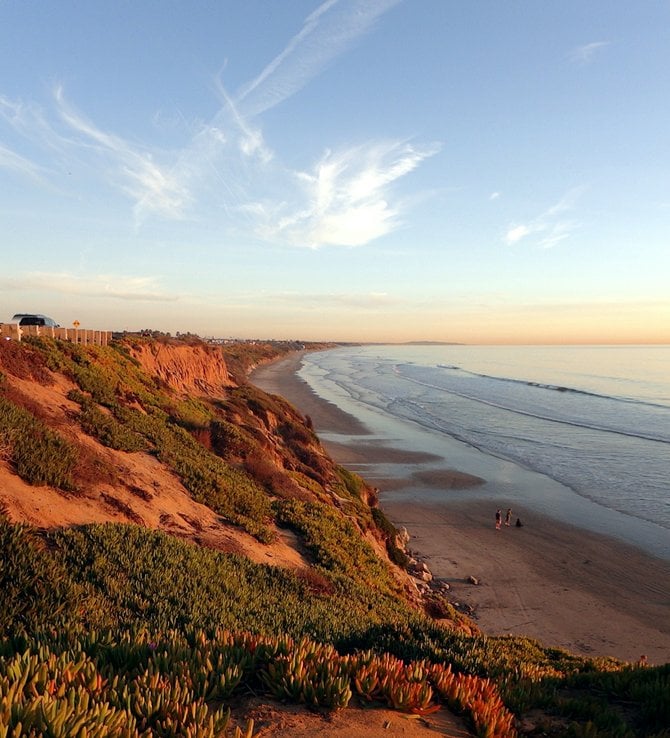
(34,319)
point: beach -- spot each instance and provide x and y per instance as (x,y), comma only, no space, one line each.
(562,584)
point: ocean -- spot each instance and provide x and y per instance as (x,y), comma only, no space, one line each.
(581,433)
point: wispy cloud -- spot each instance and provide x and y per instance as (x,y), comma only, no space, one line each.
(67,137)
(152,186)
(120,287)
(29,121)
(348,195)
(517,232)
(550,227)
(229,154)
(225,172)
(19,164)
(320,301)
(324,35)
(586,53)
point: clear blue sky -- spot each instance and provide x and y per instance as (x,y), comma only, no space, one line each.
(349,170)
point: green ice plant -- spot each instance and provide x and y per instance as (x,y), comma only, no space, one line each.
(39,454)
(104,426)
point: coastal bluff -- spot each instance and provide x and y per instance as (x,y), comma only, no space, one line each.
(168,528)
(199,369)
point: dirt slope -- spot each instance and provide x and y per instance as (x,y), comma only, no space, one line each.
(131,487)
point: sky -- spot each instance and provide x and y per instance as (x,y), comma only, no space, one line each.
(345,170)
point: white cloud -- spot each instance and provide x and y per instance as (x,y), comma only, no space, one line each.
(566,203)
(353,225)
(336,203)
(357,301)
(120,287)
(548,227)
(586,53)
(494,196)
(516,233)
(556,233)
(348,195)
(325,34)
(70,138)
(29,122)
(225,172)
(19,164)
(154,188)
(249,138)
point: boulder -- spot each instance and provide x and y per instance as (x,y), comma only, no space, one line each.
(421,571)
(402,539)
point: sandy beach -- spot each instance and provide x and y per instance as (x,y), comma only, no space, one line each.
(564,585)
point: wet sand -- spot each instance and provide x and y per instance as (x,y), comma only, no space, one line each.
(564,585)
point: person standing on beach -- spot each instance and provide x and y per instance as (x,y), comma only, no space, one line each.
(498,519)
(508,517)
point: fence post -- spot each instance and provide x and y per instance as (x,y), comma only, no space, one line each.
(11,331)
(82,336)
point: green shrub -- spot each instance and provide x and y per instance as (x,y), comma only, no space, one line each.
(335,543)
(231,442)
(133,581)
(105,427)
(151,579)
(38,454)
(210,480)
(352,483)
(397,555)
(37,591)
(139,582)
(191,413)
(22,360)
(263,469)
(383,523)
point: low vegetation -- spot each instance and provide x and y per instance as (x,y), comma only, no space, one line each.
(38,454)
(117,630)
(103,612)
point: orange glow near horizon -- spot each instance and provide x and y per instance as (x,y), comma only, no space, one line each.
(611,324)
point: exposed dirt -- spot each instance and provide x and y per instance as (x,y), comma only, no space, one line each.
(123,488)
(272,719)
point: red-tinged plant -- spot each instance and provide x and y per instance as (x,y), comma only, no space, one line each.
(478,697)
(414,697)
(366,681)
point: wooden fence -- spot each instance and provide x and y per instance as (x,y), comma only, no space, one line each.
(82,336)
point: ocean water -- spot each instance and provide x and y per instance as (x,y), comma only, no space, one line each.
(581,433)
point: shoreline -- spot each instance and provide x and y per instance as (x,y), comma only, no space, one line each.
(565,586)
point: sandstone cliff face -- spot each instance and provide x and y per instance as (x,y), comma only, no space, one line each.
(199,369)
(114,485)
